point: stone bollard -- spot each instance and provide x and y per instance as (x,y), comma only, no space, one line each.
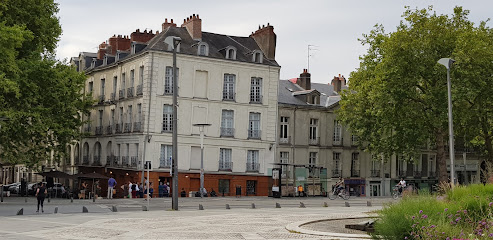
(368,203)
(227,206)
(144,208)
(253,205)
(20,212)
(84,209)
(25,200)
(302,205)
(113,208)
(48,198)
(71,199)
(56,210)
(278,205)
(325,204)
(93,199)
(201,207)
(346,204)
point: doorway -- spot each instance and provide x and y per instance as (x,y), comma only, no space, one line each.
(375,189)
(251,187)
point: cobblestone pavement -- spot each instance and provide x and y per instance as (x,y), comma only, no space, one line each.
(237,223)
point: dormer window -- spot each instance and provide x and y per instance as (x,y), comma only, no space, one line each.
(105,60)
(203,49)
(313,99)
(257,57)
(93,63)
(169,42)
(132,49)
(231,53)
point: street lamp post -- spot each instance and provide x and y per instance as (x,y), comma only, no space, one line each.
(201,129)
(176,42)
(447,62)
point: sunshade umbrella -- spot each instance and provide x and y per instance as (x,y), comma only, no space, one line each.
(91,176)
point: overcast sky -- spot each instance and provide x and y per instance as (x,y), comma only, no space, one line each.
(332,26)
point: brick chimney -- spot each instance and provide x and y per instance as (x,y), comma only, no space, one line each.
(119,43)
(167,24)
(102,50)
(338,82)
(266,39)
(304,80)
(193,24)
(141,37)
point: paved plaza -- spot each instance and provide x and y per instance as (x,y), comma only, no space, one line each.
(214,222)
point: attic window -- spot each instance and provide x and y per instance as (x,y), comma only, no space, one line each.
(257,57)
(132,49)
(203,49)
(93,63)
(169,42)
(313,99)
(231,53)
(105,60)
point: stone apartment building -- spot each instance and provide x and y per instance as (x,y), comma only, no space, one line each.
(229,82)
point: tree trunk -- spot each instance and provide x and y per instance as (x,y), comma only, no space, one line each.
(488,147)
(441,161)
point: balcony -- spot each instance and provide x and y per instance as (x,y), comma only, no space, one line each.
(109,160)
(116,161)
(355,173)
(113,97)
(137,127)
(121,94)
(87,129)
(109,130)
(101,99)
(130,92)
(128,127)
(96,161)
(227,96)
(119,128)
(285,140)
(226,166)
(375,173)
(140,88)
(76,160)
(227,132)
(256,99)
(336,173)
(253,134)
(124,161)
(417,174)
(252,167)
(164,162)
(99,130)
(314,141)
(133,161)
(85,160)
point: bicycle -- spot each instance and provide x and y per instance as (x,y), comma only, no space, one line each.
(342,194)
(396,193)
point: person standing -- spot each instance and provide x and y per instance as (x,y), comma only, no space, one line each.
(161,189)
(111,185)
(40,195)
(133,189)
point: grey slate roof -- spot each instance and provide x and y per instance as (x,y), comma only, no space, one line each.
(327,95)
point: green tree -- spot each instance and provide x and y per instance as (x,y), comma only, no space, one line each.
(397,98)
(41,97)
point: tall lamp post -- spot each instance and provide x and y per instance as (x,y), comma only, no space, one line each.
(447,62)
(176,42)
(201,129)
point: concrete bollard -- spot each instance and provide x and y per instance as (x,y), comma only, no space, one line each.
(20,212)
(84,209)
(325,204)
(93,199)
(302,205)
(227,206)
(25,200)
(144,208)
(71,199)
(346,204)
(56,210)
(113,208)
(201,207)
(278,205)
(48,199)
(253,205)
(368,203)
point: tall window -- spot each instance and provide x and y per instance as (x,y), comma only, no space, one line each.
(129,118)
(254,126)
(337,132)
(123,80)
(141,75)
(225,159)
(115,83)
(283,138)
(229,87)
(313,129)
(90,87)
(312,161)
(102,86)
(139,112)
(257,57)
(336,158)
(355,164)
(168,118)
(227,123)
(112,117)
(256,90)
(202,50)
(165,157)
(100,122)
(168,80)
(132,78)
(252,160)
(284,158)
(231,53)
(121,115)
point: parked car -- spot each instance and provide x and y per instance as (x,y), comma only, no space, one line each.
(6,186)
(14,187)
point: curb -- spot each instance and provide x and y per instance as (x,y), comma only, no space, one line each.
(296,227)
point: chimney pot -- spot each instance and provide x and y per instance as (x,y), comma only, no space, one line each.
(263,26)
(165,20)
(193,15)
(197,16)
(172,20)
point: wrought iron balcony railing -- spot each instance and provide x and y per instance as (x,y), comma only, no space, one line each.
(119,128)
(96,161)
(336,173)
(128,127)
(130,92)
(285,140)
(99,130)
(227,132)
(375,173)
(113,97)
(252,167)
(125,161)
(121,94)
(137,127)
(133,161)
(109,130)
(254,134)
(225,166)
(101,99)
(140,90)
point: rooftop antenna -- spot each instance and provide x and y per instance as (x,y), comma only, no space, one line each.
(312,48)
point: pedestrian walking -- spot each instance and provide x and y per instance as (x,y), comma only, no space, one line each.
(40,195)
(111,185)
(161,189)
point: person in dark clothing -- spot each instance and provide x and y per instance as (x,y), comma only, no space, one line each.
(41,194)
